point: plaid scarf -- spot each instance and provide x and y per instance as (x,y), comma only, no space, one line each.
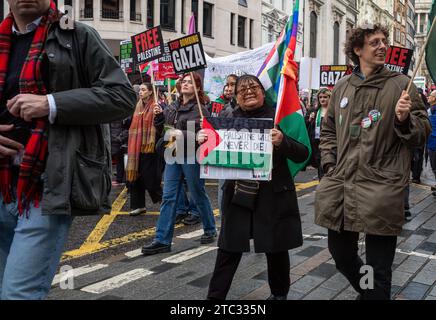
(142,137)
(29,185)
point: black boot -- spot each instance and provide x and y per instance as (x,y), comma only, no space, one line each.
(155,247)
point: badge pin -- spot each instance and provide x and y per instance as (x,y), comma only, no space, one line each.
(344,102)
(374,115)
(366,123)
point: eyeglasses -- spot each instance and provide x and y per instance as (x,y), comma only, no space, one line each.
(244,90)
(377,42)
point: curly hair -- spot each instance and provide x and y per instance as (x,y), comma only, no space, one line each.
(356,39)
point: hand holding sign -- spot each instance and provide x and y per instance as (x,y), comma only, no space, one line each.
(157,109)
(402,109)
(202,136)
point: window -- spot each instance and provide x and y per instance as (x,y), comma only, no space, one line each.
(182,25)
(283,5)
(232,28)
(251,33)
(111,10)
(150,14)
(207,19)
(68,2)
(270,33)
(194,6)
(134,14)
(243,3)
(241,31)
(168,14)
(336,43)
(2,12)
(88,11)
(313,34)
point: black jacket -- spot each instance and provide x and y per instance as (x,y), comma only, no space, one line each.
(275,224)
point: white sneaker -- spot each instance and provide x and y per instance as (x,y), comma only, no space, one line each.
(137,212)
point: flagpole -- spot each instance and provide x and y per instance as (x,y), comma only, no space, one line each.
(170,99)
(196,95)
(140,73)
(152,82)
(421,55)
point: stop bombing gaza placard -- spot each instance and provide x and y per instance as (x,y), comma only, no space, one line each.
(148,45)
(187,54)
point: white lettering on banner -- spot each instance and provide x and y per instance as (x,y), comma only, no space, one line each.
(331,78)
(148,54)
(188,58)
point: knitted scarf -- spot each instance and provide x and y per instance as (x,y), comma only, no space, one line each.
(142,137)
(29,186)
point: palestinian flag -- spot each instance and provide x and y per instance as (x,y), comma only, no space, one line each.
(278,75)
(143,68)
(243,143)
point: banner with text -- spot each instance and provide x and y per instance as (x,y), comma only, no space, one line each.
(238,143)
(126,60)
(148,45)
(187,54)
(330,74)
(398,59)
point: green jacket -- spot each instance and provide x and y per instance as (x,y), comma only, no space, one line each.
(90,91)
(364,192)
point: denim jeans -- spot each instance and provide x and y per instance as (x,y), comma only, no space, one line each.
(173,182)
(185,203)
(30,250)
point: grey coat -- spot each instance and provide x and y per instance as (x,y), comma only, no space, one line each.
(90,91)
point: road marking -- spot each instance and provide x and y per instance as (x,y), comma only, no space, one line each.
(117,281)
(134,253)
(190,235)
(417,254)
(306,185)
(78,272)
(188,254)
(309,236)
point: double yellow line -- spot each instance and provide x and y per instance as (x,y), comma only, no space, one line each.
(93,243)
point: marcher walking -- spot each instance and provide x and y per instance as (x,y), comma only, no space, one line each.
(369,130)
(274,221)
(144,168)
(58,86)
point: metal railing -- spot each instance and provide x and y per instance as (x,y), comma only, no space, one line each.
(87,13)
(134,16)
(111,14)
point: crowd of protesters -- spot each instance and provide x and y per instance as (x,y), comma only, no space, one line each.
(363,134)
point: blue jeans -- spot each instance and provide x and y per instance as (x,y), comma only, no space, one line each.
(172,184)
(185,203)
(30,250)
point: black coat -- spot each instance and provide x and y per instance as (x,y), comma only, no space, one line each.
(275,224)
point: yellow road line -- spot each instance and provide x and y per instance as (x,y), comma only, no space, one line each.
(92,244)
(306,185)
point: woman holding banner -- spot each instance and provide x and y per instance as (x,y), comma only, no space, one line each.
(184,119)
(144,167)
(272,219)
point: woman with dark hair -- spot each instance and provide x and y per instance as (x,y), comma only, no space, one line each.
(314,125)
(273,222)
(181,163)
(144,169)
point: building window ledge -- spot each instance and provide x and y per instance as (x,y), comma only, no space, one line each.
(209,37)
(113,20)
(168,29)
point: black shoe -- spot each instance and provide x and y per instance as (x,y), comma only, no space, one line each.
(191,220)
(137,212)
(155,247)
(407,215)
(207,238)
(273,297)
(417,181)
(434,193)
(180,217)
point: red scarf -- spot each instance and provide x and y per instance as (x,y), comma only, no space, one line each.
(29,186)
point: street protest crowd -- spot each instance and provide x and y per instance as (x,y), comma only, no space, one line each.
(56,151)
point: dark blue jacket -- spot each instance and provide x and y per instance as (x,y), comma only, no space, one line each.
(431,145)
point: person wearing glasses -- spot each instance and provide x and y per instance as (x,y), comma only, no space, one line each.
(184,118)
(369,129)
(273,221)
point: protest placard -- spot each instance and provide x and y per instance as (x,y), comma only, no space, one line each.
(237,144)
(330,74)
(398,59)
(187,54)
(126,61)
(148,45)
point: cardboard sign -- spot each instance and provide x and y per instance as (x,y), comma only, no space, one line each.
(398,59)
(148,45)
(330,75)
(165,65)
(187,54)
(126,61)
(309,73)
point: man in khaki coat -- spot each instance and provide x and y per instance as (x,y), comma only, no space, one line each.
(366,137)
